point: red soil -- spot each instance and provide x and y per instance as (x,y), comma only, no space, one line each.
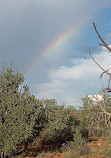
(96,147)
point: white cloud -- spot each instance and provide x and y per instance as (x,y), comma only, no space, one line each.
(82,69)
(95,98)
(69,84)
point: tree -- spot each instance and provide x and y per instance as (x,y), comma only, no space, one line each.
(93,118)
(59,124)
(107,89)
(17,111)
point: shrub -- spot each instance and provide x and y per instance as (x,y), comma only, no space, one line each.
(60,125)
(80,144)
(18,111)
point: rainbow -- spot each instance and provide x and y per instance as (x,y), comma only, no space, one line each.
(56,43)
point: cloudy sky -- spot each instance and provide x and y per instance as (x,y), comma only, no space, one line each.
(48,41)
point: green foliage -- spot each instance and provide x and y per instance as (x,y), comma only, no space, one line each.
(60,123)
(93,118)
(26,120)
(10,81)
(80,144)
(17,111)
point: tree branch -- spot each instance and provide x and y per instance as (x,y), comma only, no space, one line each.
(104,44)
(101,107)
(104,71)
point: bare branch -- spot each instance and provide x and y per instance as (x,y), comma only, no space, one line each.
(101,107)
(101,102)
(104,71)
(105,112)
(109,82)
(100,44)
(107,90)
(104,44)
(101,75)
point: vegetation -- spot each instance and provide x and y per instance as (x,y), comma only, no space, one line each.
(29,126)
(27,123)
(17,111)
(24,118)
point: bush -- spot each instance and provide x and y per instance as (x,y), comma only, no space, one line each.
(60,125)
(54,125)
(16,112)
(80,144)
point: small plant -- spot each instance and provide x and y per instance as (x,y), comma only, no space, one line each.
(67,146)
(80,144)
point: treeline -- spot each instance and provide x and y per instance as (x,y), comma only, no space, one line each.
(27,122)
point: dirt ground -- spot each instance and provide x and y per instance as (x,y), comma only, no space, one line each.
(99,149)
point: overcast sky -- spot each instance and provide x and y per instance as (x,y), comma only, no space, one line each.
(28,27)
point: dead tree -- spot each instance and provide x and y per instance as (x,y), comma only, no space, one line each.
(107,89)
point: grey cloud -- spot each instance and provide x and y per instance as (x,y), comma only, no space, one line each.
(27,27)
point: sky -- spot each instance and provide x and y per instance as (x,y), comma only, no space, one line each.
(48,41)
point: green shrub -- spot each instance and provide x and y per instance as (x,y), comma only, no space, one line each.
(80,144)
(60,125)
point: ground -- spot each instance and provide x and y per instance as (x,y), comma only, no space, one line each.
(99,149)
